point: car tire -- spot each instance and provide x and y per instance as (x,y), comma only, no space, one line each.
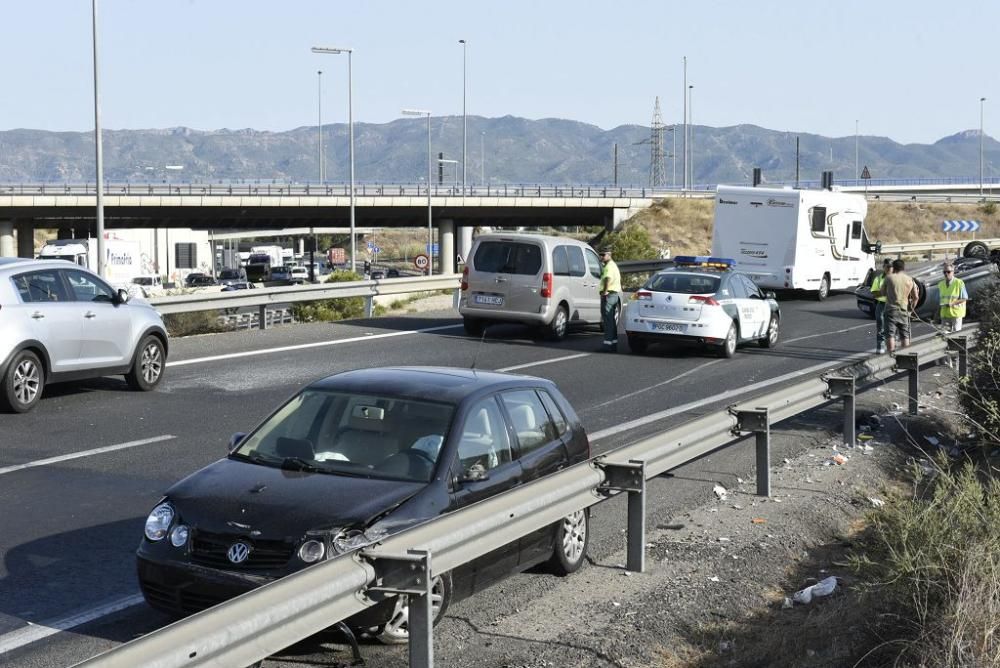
(571,541)
(23,383)
(824,288)
(556,329)
(976,249)
(473,326)
(396,631)
(728,347)
(637,345)
(771,340)
(147,369)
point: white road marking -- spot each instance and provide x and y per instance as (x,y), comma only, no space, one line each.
(653,387)
(639,422)
(35,632)
(839,331)
(306,346)
(86,453)
(551,361)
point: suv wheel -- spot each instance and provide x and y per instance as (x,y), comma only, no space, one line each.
(396,631)
(147,370)
(572,538)
(556,330)
(23,383)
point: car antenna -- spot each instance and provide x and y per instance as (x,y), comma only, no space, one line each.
(482,340)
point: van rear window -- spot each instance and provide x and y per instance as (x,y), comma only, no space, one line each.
(508,257)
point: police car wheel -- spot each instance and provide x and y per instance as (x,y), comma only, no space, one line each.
(728,348)
(771,340)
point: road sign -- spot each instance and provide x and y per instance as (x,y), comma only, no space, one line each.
(959,225)
(865,174)
(376,250)
(421,261)
(432,249)
(370,245)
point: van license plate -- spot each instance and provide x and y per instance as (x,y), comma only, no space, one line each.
(493,300)
(667,327)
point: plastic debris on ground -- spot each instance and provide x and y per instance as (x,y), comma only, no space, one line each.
(876,502)
(758,520)
(824,587)
(932,440)
(720,492)
(714,578)
(839,459)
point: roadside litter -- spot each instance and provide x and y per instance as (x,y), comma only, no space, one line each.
(876,502)
(824,587)
(839,459)
(720,492)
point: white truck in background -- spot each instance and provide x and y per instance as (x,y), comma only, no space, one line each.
(122,259)
(262,260)
(787,239)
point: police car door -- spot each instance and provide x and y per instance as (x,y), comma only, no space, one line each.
(757,309)
(737,306)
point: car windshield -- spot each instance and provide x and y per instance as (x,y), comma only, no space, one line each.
(686,284)
(352,434)
(229,273)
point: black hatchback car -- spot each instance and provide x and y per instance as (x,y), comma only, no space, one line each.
(351,459)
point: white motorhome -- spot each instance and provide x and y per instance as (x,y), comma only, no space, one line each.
(789,239)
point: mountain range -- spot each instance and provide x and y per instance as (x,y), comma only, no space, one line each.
(500,150)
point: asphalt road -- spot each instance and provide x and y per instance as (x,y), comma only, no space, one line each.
(69,528)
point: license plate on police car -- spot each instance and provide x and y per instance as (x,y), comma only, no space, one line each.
(492,300)
(667,327)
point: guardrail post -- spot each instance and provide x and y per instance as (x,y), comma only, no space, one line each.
(911,362)
(262,316)
(410,575)
(757,421)
(630,478)
(961,345)
(369,306)
(843,386)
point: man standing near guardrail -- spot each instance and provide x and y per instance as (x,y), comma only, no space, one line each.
(610,288)
(901,295)
(952,296)
(880,299)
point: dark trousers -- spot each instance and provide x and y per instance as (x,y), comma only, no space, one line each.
(609,305)
(880,325)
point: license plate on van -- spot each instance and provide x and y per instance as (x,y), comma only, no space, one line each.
(667,327)
(492,300)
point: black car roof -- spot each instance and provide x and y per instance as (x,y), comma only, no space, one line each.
(446,384)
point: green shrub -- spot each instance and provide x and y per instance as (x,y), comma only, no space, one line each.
(631,242)
(980,390)
(196,322)
(989,208)
(328,310)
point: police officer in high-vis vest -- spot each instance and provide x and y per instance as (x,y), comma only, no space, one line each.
(952,297)
(610,288)
(880,300)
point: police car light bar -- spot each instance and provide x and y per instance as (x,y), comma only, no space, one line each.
(704,261)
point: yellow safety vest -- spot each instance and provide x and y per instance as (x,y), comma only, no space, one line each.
(877,285)
(947,295)
(611,278)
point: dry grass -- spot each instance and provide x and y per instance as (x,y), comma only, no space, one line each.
(682,225)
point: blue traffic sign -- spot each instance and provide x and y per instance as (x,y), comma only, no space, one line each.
(376,250)
(432,249)
(959,226)
(371,245)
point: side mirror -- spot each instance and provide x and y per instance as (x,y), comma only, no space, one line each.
(121,297)
(235,439)
(770,294)
(475,473)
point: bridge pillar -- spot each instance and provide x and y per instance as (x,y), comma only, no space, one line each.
(446,237)
(465,241)
(25,240)
(7,238)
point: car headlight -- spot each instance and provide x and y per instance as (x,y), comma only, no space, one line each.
(179,536)
(352,539)
(312,551)
(159,521)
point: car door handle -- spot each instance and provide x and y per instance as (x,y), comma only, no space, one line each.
(500,279)
(89,314)
(37,315)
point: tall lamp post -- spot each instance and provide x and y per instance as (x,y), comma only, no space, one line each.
(319,120)
(482,158)
(690,141)
(350,123)
(684,161)
(430,219)
(981,101)
(99,155)
(465,117)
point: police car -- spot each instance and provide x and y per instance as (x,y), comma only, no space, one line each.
(701,301)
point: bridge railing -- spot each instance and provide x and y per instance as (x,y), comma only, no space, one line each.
(264,621)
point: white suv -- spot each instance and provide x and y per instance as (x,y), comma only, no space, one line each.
(59,321)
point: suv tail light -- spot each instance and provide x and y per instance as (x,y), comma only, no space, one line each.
(465,279)
(546,285)
(704,300)
(644,295)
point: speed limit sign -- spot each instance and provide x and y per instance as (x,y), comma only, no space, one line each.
(421,261)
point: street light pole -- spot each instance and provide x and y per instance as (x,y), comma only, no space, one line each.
(319,120)
(350,124)
(691,136)
(482,158)
(465,117)
(430,219)
(99,155)
(981,101)
(684,166)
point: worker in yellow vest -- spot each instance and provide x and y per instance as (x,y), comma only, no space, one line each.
(880,300)
(952,298)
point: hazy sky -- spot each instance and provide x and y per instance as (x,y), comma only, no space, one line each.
(913,71)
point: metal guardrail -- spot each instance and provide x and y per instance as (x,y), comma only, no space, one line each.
(927,246)
(266,620)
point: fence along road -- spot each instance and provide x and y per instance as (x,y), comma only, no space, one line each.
(262,622)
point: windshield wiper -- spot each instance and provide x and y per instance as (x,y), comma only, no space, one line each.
(299,464)
(255,458)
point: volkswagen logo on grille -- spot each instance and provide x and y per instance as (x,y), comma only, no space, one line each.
(238,553)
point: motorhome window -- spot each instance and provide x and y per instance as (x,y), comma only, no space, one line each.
(818,217)
(576,266)
(508,257)
(560,263)
(686,284)
(856,229)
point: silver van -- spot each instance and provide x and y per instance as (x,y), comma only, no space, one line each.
(532,279)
